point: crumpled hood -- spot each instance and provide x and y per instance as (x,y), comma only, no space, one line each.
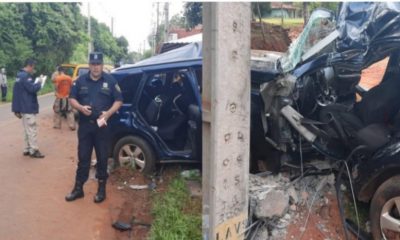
(371,27)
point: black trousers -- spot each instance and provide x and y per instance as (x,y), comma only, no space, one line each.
(91,136)
(3,93)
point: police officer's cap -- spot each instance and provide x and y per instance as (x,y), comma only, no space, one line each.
(96,58)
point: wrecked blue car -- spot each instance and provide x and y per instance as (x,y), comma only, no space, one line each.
(160,120)
(311,108)
(303,106)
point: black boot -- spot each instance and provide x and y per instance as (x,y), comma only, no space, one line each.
(101,192)
(76,193)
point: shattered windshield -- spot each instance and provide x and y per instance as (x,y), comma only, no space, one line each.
(319,26)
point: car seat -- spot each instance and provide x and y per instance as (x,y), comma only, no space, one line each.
(368,122)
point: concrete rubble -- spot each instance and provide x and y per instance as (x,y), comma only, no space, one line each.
(275,202)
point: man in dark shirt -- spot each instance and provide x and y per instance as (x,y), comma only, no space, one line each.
(97,96)
(25,106)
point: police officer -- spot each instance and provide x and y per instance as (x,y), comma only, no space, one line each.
(25,106)
(97,96)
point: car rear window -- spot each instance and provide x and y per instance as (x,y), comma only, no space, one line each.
(82,71)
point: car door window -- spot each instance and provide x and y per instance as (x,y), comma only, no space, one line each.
(129,86)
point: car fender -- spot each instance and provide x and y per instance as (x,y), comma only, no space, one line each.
(383,165)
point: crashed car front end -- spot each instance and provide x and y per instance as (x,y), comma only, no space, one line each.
(325,62)
(312,107)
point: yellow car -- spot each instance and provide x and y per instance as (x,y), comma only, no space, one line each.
(75,70)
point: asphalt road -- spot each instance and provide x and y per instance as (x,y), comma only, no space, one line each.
(45,104)
(32,205)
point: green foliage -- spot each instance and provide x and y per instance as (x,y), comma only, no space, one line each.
(148,53)
(53,29)
(177,21)
(193,12)
(80,53)
(132,57)
(104,42)
(333,6)
(174,215)
(52,33)
(14,46)
(265,8)
(159,37)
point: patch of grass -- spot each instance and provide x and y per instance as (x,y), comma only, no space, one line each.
(287,22)
(350,212)
(48,87)
(176,216)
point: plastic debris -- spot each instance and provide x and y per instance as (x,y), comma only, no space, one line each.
(191,174)
(138,187)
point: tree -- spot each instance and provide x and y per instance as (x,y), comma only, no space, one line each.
(53,29)
(193,12)
(333,6)
(305,12)
(155,40)
(177,21)
(260,9)
(132,57)
(51,33)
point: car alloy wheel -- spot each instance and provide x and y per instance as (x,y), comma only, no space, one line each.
(384,212)
(135,152)
(390,219)
(132,155)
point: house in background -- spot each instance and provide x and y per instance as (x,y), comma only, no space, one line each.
(285,9)
(179,37)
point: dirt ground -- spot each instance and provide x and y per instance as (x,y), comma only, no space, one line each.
(276,37)
(32,202)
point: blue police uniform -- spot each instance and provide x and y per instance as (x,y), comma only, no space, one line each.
(100,95)
(25,94)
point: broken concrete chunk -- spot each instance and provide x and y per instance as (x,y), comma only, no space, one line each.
(262,233)
(274,204)
(294,198)
(304,196)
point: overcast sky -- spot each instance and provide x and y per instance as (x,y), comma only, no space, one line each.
(132,19)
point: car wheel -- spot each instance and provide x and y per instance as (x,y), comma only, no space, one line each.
(134,152)
(385,210)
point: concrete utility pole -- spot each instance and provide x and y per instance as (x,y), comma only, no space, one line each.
(158,18)
(226,119)
(112,26)
(89,31)
(166,15)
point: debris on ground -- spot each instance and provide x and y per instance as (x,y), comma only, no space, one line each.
(122,226)
(296,205)
(191,174)
(138,187)
(136,209)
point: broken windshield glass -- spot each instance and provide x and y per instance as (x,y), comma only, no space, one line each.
(319,26)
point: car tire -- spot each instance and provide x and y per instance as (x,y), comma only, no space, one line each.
(135,152)
(385,210)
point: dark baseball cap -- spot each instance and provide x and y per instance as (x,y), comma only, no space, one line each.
(96,58)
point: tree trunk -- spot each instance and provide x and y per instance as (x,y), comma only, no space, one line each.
(261,22)
(305,12)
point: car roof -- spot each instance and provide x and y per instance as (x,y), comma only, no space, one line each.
(186,56)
